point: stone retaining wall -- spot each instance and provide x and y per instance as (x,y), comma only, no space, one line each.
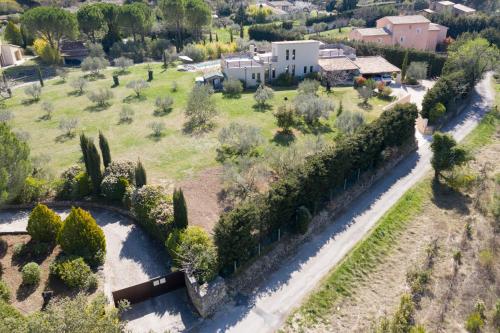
(208,297)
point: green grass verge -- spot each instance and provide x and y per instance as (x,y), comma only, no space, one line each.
(363,258)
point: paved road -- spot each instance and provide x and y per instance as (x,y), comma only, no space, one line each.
(269,306)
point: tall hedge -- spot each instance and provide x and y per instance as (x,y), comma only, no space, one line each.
(180,210)
(457,25)
(81,236)
(395,54)
(43,224)
(238,232)
(272,32)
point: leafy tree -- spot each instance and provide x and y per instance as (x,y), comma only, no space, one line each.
(94,65)
(100,96)
(110,12)
(262,95)
(417,70)
(240,16)
(180,210)
(198,15)
(106,154)
(67,125)
(136,19)
(124,63)
(436,113)
(79,84)
(34,90)
(285,117)
(446,153)
(140,175)
(51,23)
(200,109)
(404,66)
(164,104)
(233,87)
(474,57)
(348,121)
(174,13)
(78,314)
(14,164)
(80,235)
(237,139)
(138,86)
(96,50)
(6,116)
(91,22)
(43,224)
(302,220)
(12,34)
(308,86)
(319,27)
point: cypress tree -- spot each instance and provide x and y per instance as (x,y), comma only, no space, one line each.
(210,38)
(216,37)
(140,175)
(84,146)
(180,210)
(404,66)
(103,144)
(231,35)
(94,171)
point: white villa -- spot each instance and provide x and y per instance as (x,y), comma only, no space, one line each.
(300,58)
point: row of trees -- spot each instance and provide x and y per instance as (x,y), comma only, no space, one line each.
(238,232)
(468,60)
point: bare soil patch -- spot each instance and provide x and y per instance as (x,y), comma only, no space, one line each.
(452,292)
(29,299)
(202,198)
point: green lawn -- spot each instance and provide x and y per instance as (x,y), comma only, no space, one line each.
(224,35)
(333,33)
(176,155)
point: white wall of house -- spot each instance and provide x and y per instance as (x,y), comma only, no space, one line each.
(10,55)
(251,76)
(295,57)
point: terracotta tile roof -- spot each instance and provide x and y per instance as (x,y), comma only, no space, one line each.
(337,64)
(407,19)
(374,65)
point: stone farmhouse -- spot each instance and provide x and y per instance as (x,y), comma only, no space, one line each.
(411,31)
(10,55)
(299,59)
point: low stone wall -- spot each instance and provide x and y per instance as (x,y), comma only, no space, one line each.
(257,271)
(208,297)
(401,100)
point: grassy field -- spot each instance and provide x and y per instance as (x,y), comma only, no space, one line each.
(370,252)
(173,157)
(333,33)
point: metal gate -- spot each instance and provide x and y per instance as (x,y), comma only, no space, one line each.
(152,288)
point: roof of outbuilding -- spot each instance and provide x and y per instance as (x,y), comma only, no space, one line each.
(407,19)
(375,65)
(463,8)
(446,3)
(337,64)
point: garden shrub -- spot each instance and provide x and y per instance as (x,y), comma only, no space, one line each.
(232,87)
(73,271)
(33,190)
(43,224)
(117,177)
(195,52)
(48,54)
(153,210)
(4,291)
(474,322)
(285,80)
(31,273)
(11,320)
(75,184)
(320,18)
(436,113)
(80,235)
(238,231)
(172,244)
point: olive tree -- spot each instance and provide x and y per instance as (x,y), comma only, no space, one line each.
(237,139)
(123,63)
(94,65)
(126,114)
(157,127)
(48,108)
(365,93)
(79,84)
(200,109)
(100,96)
(347,122)
(311,107)
(68,125)
(417,70)
(164,104)
(138,86)
(262,95)
(34,91)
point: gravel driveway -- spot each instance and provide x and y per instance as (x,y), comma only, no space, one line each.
(131,256)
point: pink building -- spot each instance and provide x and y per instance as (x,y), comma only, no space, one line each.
(412,31)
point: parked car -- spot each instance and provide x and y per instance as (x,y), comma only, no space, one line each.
(386,78)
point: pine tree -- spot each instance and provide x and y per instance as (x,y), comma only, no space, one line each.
(180,210)
(84,146)
(94,171)
(404,66)
(103,144)
(140,175)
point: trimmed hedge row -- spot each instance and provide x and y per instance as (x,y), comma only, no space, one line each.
(318,19)
(238,232)
(272,32)
(395,55)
